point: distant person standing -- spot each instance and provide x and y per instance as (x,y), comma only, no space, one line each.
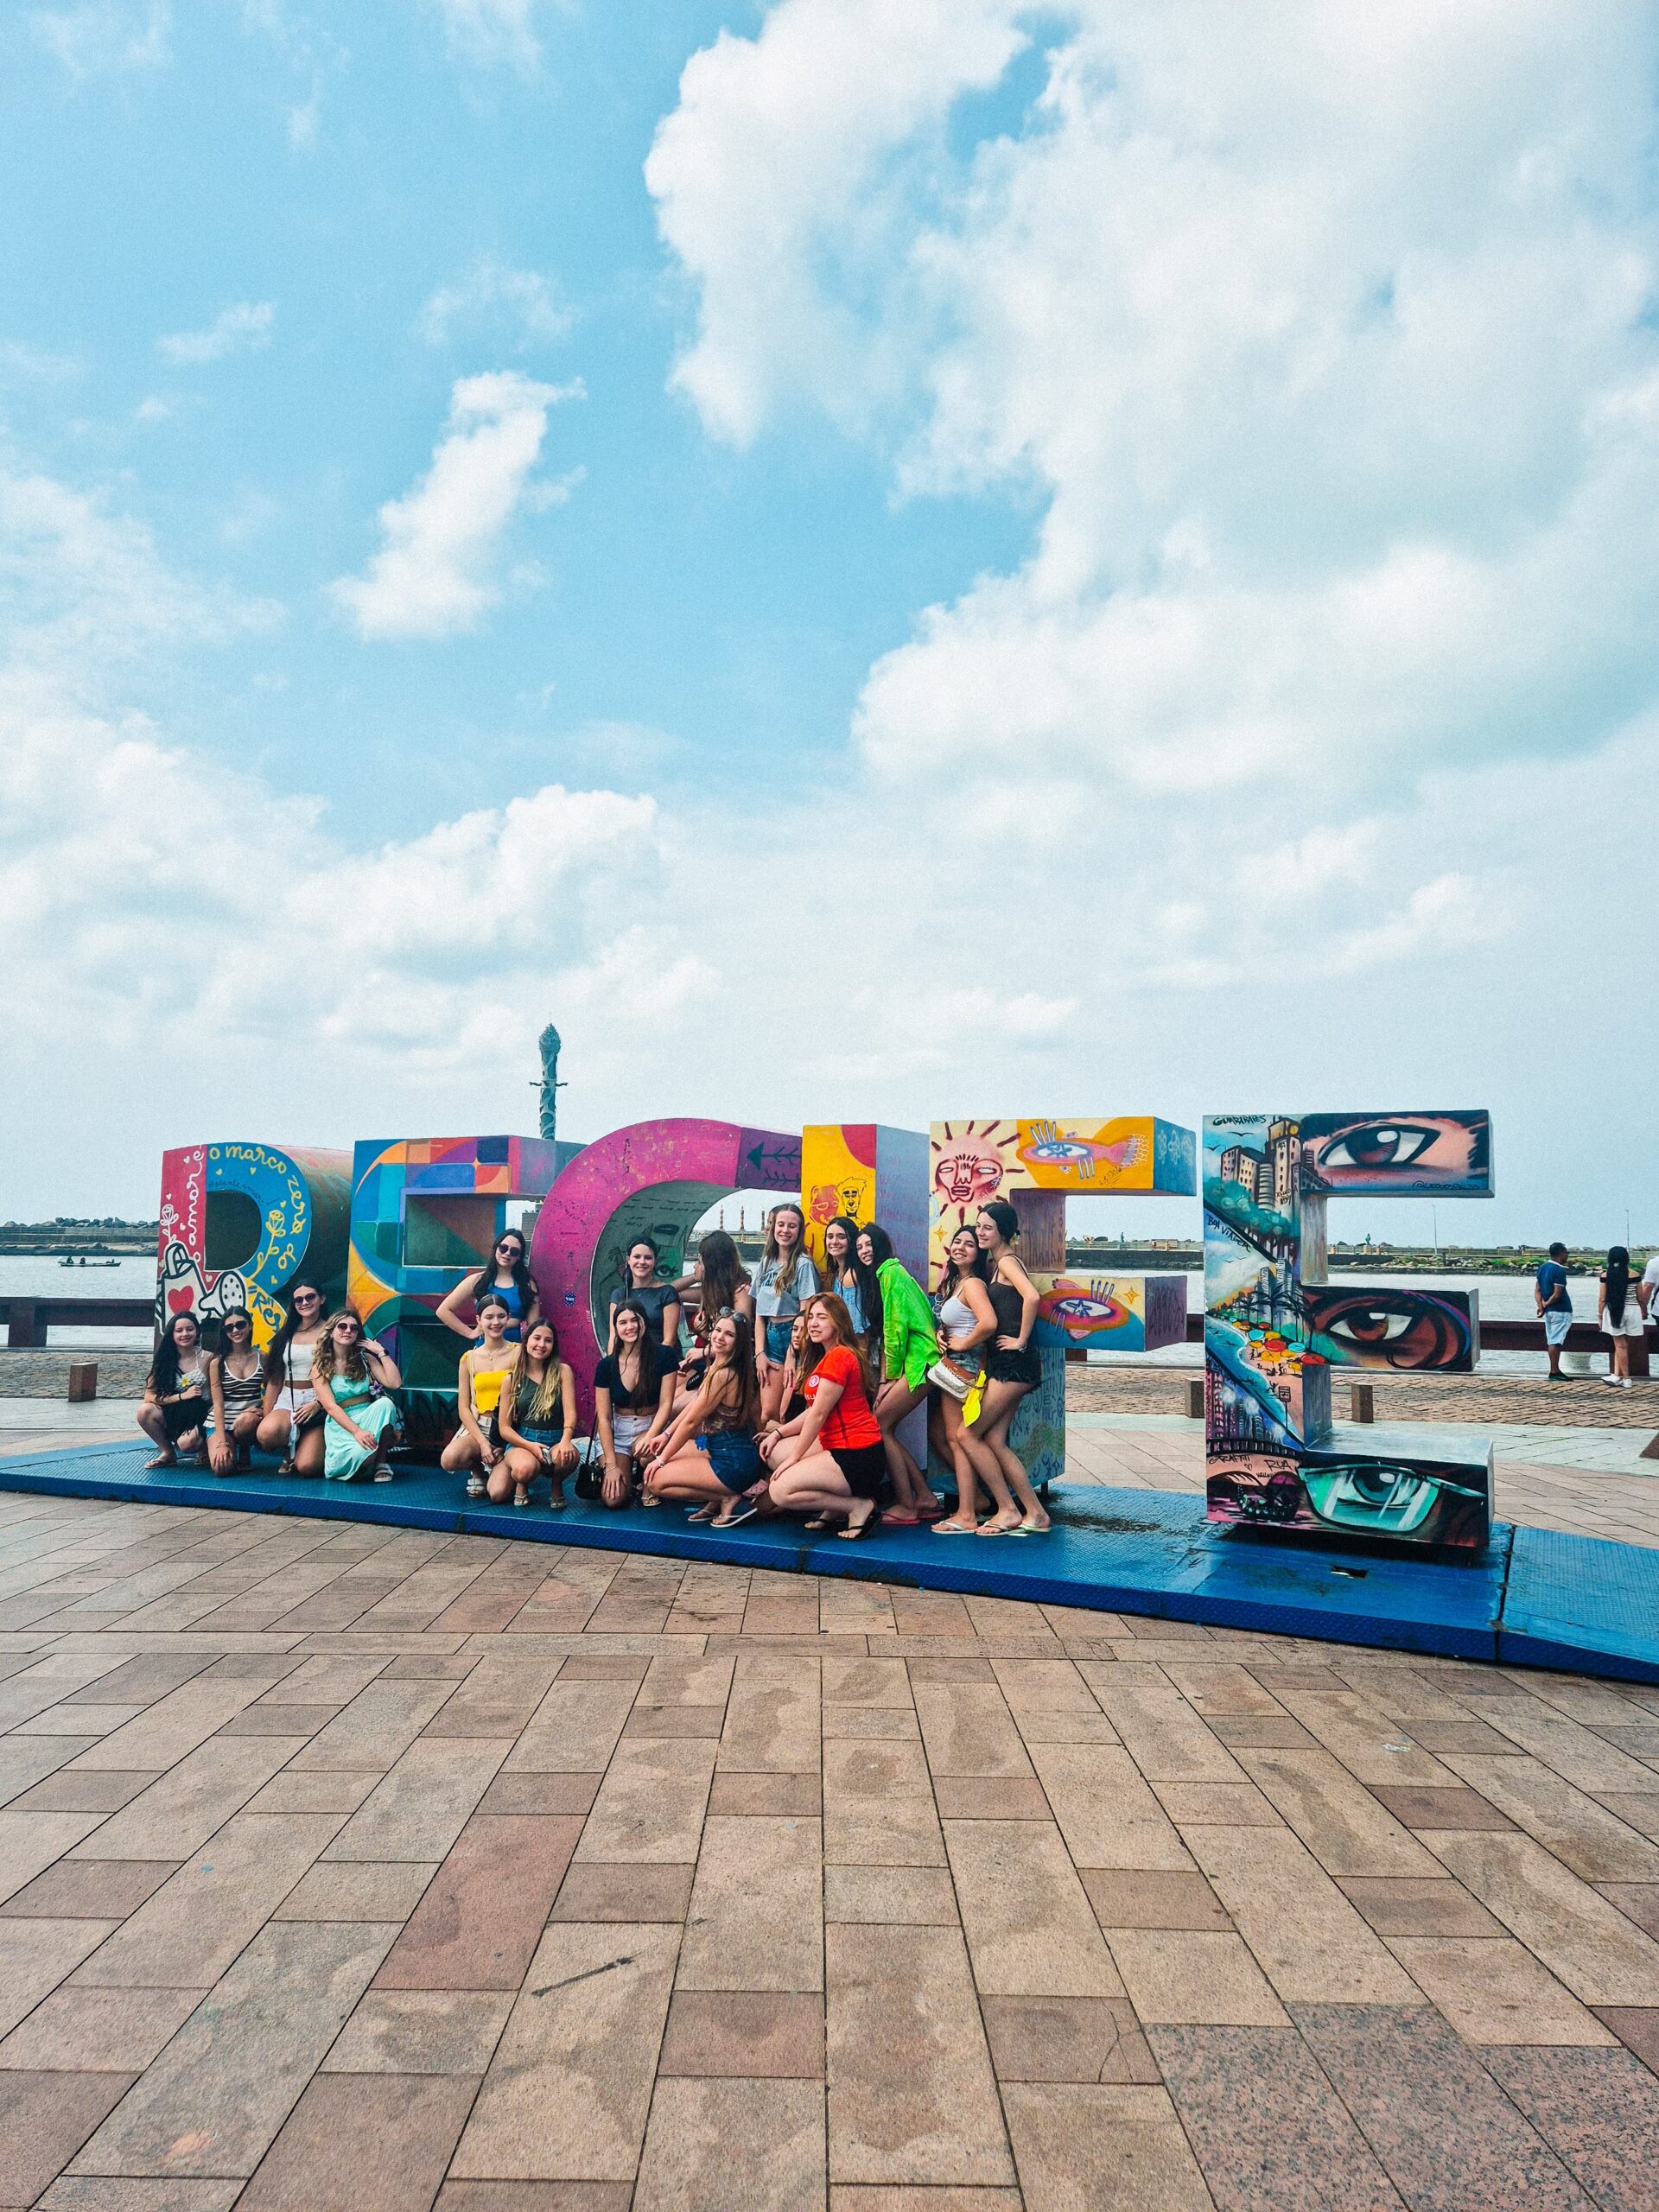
(1555,1306)
(1620,1315)
(1647,1292)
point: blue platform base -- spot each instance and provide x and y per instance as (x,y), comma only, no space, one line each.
(1533,1599)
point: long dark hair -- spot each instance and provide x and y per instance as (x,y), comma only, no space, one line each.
(1617,1280)
(277,1349)
(1006,1220)
(863,1278)
(881,1252)
(741,1411)
(720,1281)
(485,1279)
(642,1344)
(833,1270)
(234,1313)
(953,1275)
(164,1368)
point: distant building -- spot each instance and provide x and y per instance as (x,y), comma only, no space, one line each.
(1271,1179)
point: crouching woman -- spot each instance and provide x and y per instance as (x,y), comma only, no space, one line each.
(351,1375)
(831,1460)
(708,1455)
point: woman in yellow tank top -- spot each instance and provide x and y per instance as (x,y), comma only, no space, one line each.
(475,1445)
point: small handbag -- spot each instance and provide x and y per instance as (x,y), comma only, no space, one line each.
(949,1373)
(589,1482)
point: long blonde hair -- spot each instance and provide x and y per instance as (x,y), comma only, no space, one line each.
(353,1366)
(547,1396)
(772,1254)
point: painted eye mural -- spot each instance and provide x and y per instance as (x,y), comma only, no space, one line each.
(1401,1329)
(1388,1153)
(1082,1310)
(1048,1147)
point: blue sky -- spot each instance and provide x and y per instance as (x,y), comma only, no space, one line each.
(727,609)
(872,563)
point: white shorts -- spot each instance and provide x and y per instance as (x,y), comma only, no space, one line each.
(627,1429)
(1557,1322)
(1629,1324)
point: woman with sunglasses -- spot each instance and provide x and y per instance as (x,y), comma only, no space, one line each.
(291,1426)
(235,1380)
(506,1277)
(351,1375)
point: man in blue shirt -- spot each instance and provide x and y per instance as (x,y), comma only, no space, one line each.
(1554,1308)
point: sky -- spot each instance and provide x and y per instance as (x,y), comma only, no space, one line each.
(871,562)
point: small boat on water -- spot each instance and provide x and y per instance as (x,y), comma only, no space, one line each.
(89,1263)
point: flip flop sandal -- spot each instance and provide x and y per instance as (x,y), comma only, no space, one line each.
(819,1521)
(856,1530)
(990,1529)
(161,1459)
(955,1527)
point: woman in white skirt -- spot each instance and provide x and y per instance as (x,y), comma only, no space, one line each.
(1619,1312)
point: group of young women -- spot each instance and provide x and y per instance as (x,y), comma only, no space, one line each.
(788,1399)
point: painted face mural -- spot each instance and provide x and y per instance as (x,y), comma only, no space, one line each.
(966,1176)
(1274,1331)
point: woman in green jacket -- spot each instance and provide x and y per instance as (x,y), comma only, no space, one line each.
(910,1345)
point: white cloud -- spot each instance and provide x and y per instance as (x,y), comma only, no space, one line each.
(491,32)
(495,295)
(1323,337)
(977,955)
(436,573)
(778,163)
(82,589)
(243,328)
(105,37)
(34,365)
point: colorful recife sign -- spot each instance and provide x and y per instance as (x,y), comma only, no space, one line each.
(1275,1328)
(399,1226)
(426,1212)
(240,1221)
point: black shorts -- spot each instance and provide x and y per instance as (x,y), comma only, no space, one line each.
(863,1467)
(181,1416)
(1025,1366)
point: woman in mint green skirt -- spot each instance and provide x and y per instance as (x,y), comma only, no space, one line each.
(351,1375)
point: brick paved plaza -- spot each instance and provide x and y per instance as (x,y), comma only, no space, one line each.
(350,1867)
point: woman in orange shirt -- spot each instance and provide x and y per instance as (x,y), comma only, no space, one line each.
(829,1460)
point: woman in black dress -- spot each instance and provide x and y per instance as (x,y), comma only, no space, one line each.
(1014,1367)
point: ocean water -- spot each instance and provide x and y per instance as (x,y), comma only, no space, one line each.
(133,1276)
(1503,1298)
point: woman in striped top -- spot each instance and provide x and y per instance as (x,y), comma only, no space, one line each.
(236,1381)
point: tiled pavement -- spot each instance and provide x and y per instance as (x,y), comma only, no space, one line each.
(1589,1482)
(352,1867)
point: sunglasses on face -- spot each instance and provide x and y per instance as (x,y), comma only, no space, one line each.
(508,1245)
(236,1328)
(306,1298)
